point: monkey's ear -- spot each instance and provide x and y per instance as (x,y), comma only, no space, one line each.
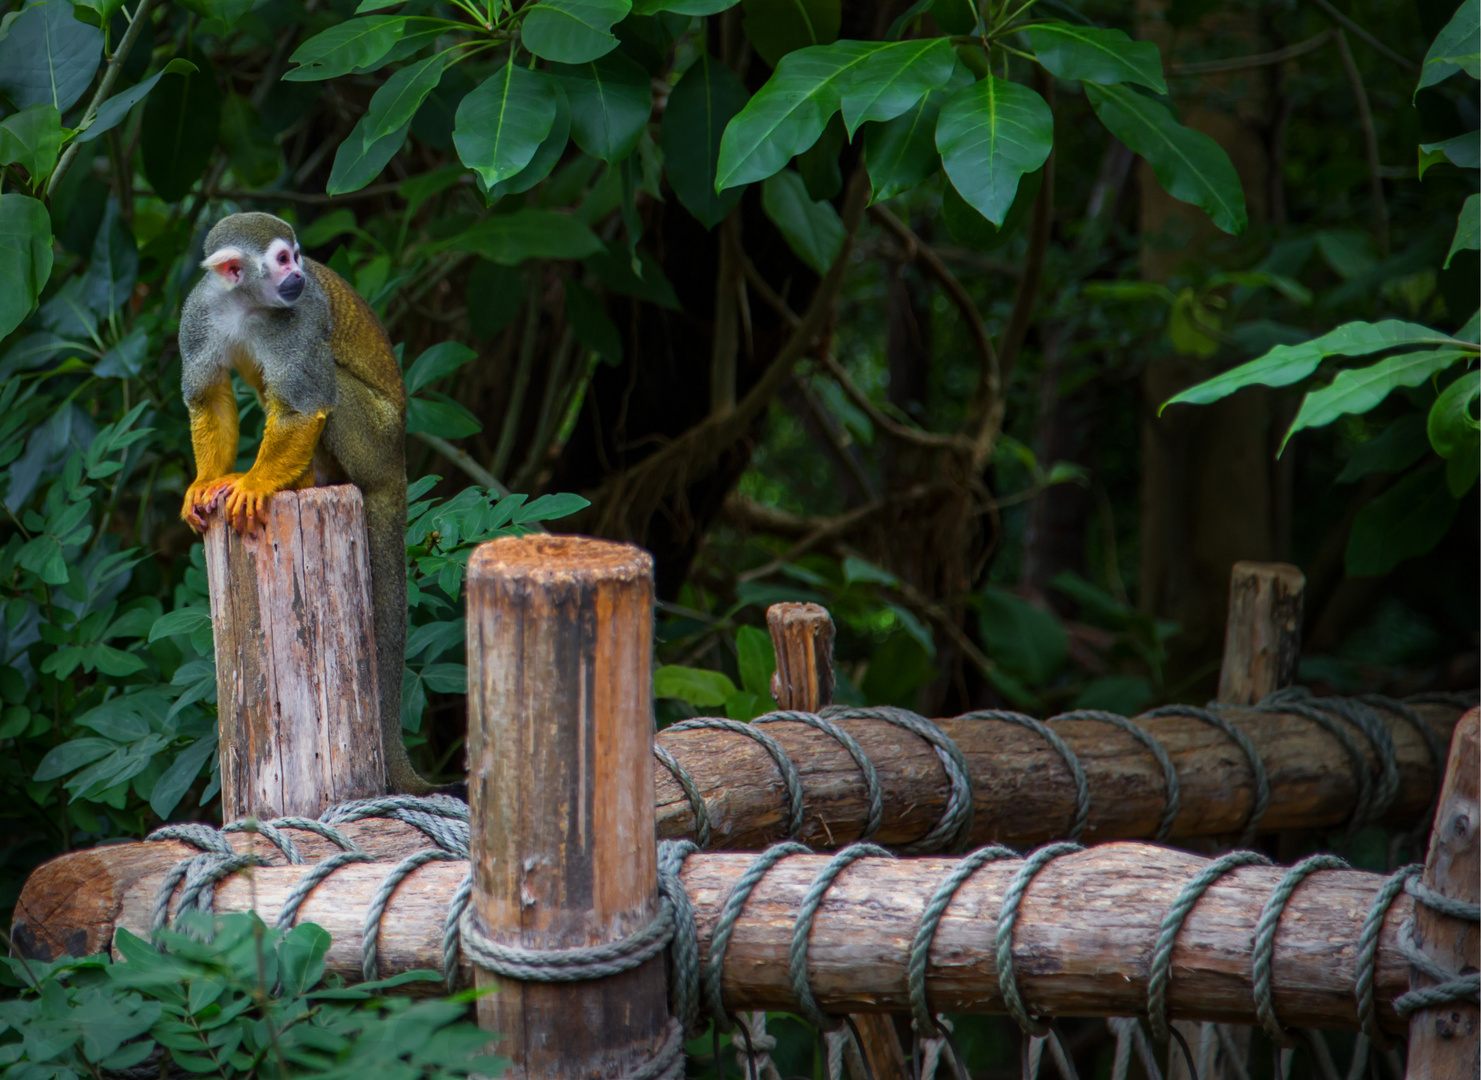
(228,264)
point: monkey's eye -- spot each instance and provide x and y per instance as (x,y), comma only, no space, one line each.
(282,258)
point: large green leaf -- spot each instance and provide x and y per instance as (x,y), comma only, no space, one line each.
(114,265)
(812,229)
(357,161)
(1094,55)
(694,685)
(1356,390)
(901,155)
(32,138)
(380,133)
(509,239)
(1189,165)
(25,257)
(181,120)
(112,111)
(1463,151)
(1408,519)
(1025,638)
(990,134)
(1451,427)
(789,112)
(589,322)
(547,154)
(698,109)
(611,100)
(1467,228)
(778,27)
(973,230)
(572,31)
(756,659)
(358,45)
(1286,364)
(1455,48)
(1392,450)
(895,78)
(501,123)
(440,415)
(47,57)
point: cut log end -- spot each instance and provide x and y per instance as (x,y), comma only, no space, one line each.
(552,559)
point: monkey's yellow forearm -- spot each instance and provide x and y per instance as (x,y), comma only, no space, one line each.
(213,437)
(283,459)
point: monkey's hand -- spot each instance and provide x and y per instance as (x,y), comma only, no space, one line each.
(243,499)
(201,498)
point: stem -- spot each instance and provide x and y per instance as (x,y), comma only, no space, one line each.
(1370,142)
(1242,63)
(725,342)
(510,427)
(463,460)
(1402,61)
(551,412)
(110,76)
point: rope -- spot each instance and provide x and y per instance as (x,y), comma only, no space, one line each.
(1060,747)
(1366,963)
(686,783)
(317,873)
(369,943)
(802,930)
(1007,919)
(1172,924)
(579,963)
(735,902)
(872,793)
(951,832)
(926,1023)
(1460,699)
(1261,778)
(1366,720)
(1450,986)
(1172,799)
(1361,809)
(441,818)
(1264,945)
(791,785)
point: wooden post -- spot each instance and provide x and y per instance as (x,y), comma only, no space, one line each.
(560,731)
(1443,1041)
(295,657)
(802,637)
(1262,639)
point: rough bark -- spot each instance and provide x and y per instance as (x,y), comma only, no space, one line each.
(295,657)
(1262,637)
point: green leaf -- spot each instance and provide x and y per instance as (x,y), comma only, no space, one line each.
(1286,364)
(175,781)
(572,31)
(438,362)
(32,138)
(501,123)
(701,688)
(1093,55)
(71,756)
(1451,427)
(1455,48)
(1025,638)
(112,112)
(1464,469)
(1407,520)
(547,155)
(699,106)
(812,229)
(358,45)
(25,257)
(1189,165)
(990,134)
(778,27)
(509,239)
(550,508)
(613,268)
(1463,151)
(611,100)
(975,231)
(1124,694)
(397,101)
(746,705)
(892,80)
(179,621)
(1392,450)
(757,661)
(901,155)
(1467,228)
(114,265)
(358,162)
(181,121)
(590,324)
(440,415)
(1356,390)
(789,112)
(47,57)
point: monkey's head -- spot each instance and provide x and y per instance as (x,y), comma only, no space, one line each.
(256,256)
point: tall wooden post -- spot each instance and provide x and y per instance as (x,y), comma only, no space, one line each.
(1262,639)
(295,657)
(802,637)
(560,730)
(1445,1041)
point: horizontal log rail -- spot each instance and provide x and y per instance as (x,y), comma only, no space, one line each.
(1086,929)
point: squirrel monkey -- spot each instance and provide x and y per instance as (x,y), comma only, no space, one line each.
(323,369)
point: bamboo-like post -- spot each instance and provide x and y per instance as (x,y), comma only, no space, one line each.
(296,676)
(1262,638)
(560,727)
(802,637)
(1445,1041)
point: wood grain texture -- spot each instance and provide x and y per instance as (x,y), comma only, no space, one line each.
(1445,1042)
(560,634)
(1023,792)
(1262,638)
(1085,936)
(295,657)
(802,637)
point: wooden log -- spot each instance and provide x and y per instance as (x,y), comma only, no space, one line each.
(1262,638)
(295,657)
(560,702)
(1085,934)
(1445,1041)
(802,638)
(1023,792)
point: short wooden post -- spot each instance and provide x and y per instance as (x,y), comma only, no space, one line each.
(560,731)
(295,657)
(1262,638)
(802,637)
(1445,1041)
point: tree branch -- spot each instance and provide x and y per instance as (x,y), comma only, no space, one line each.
(830,528)
(881,419)
(1403,61)
(1244,63)
(1370,141)
(463,460)
(726,342)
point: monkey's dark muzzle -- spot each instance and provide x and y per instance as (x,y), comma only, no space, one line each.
(291,288)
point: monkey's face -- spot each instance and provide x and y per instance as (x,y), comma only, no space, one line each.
(272,278)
